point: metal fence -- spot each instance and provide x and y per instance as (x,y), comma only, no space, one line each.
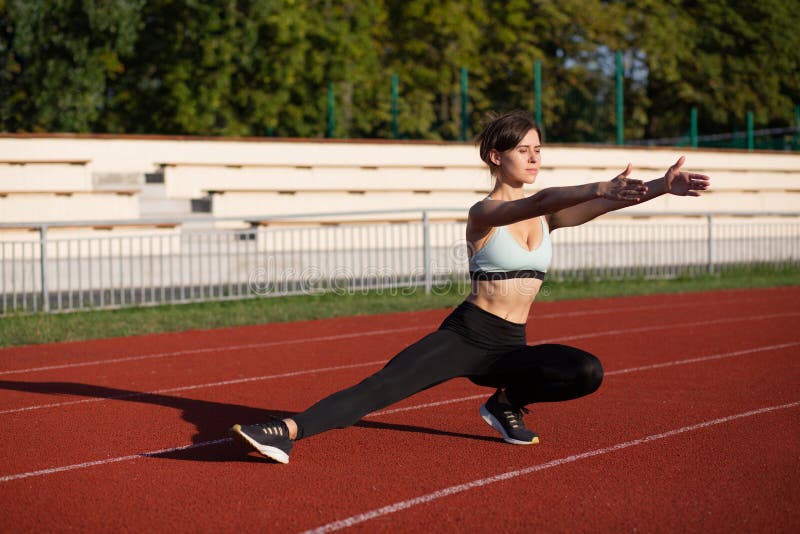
(45,272)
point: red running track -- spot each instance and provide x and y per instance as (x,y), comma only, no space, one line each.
(696,428)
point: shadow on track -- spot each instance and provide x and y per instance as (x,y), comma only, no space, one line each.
(211,419)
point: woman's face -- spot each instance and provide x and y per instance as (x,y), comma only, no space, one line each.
(519,165)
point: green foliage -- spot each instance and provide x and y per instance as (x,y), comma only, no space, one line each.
(59,58)
(430,41)
(262,67)
(724,57)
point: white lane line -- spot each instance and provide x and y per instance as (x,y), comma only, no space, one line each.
(84,465)
(597,311)
(376,414)
(427,405)
(325,369)
(196,386)
(702,358)
(609,373)
(689,324)
(460,488)
(220,349)
(650,307)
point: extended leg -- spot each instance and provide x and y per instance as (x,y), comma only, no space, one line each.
(437,357)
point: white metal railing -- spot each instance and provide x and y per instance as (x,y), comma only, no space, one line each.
(47,272)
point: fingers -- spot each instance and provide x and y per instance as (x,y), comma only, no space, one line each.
(624,188)
(639,192)
(635,187)
(699,181)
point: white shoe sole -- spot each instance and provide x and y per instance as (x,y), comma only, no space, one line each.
(494,423)
(273,453)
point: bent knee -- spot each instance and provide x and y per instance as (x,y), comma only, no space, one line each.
(592,373)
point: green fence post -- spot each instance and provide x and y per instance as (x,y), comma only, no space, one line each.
(537,91)
(331,111)
(693,128)
(750,139)
(463,103)
(620,123)
(395,94)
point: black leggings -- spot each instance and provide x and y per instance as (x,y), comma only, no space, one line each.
(472,343)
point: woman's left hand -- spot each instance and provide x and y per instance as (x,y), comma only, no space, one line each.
(685,184)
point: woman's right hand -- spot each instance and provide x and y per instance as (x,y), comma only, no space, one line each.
(623,188)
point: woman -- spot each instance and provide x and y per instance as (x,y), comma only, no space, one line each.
(483,339)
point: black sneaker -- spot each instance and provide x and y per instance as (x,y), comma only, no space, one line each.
(270,439)
(508,421)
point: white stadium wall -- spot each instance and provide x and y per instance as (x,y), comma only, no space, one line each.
(72,206)
(143,220)
(45,178)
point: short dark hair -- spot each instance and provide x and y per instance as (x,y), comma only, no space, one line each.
(504,132)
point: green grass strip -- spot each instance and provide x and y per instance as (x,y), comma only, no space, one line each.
(48,328)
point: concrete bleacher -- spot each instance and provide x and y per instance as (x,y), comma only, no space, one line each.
(283,189)
(743,182)
(47,206)
(20,175)
(47,190)
(102,178)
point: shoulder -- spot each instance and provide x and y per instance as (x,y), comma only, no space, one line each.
(476,219)
(477,210)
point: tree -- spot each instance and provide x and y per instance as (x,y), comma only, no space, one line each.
(723,57)
(262,67)
(59,58)
(182,78)
(429,43)
(255,68)
(345,50)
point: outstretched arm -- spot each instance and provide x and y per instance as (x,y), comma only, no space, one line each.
(490,213)
(674,181)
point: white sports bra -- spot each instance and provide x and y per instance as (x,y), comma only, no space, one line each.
(502,257)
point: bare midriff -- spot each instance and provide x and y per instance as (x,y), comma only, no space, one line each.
(509,299)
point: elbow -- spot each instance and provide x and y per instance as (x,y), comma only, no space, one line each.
(545,202)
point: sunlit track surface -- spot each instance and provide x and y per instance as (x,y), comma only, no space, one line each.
(92,463)
(689,379)
(7,355)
